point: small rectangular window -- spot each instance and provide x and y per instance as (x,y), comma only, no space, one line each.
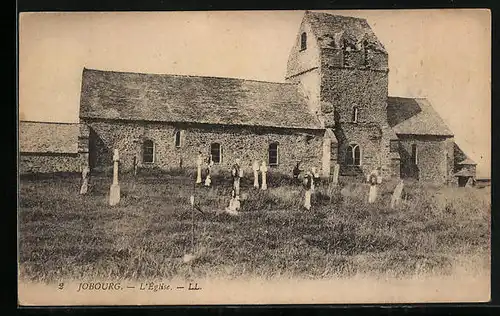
(414,154)
(178,139)
(273,154)
(303,41)
(148,151)
(355,115)
(216,152)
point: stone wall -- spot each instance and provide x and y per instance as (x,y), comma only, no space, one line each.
(435,162)
(303,67)
(49,163)
(365,89)
(348,88)
(244,143)
(300,61)
(367,137)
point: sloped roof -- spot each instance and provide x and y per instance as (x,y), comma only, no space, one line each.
(415,116)
(46,137)
(331,31)
(467,161)
(465,173)
(193,99)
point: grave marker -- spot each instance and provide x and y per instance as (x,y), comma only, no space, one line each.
(199,162)
(308,186)
(396,195)
(336,170)
(255,168)
(263,171)
(374,179)
(85,180)
(114,192)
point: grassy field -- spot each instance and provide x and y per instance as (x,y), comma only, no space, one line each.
(63,235)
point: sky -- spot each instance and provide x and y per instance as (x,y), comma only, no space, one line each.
(443,55)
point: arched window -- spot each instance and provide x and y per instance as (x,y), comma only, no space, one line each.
(148,151)
(414,154)
(273,154)
(303,41)
(177,137)
(355,114)
(353,155)
(216,152)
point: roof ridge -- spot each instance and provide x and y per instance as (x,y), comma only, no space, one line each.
(335,15)
(187,76)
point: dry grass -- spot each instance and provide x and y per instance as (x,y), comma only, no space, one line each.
(64,235)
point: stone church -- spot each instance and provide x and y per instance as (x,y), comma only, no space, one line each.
(332,108)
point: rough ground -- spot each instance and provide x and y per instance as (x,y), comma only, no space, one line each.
(63,235)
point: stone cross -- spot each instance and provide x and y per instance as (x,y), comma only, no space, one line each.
(85,180)
(335,179)
(255,168)
(263,171)
(396,195)
(199,162)
(114,192)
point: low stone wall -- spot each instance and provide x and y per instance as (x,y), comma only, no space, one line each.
(48,163)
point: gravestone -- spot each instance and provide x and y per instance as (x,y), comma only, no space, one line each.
(234,204)
(396,195)
(263,171)
(236,172)
(255,168)
(309,188)
(114,192)
(314,175)
(374,179)
(85,180)
(199,162)
(336,170)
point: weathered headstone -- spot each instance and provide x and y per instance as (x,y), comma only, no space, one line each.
(234,204)
(309,187)
(199,162)
(374,180)
(236,173)
(314,175)
(208,179)
(336,170)
(114,192)
(255,168)
(85,180)
(263,171)
(396,195)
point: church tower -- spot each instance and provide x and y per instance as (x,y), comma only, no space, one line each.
(342,68)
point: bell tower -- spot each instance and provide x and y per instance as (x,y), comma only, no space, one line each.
(342,68)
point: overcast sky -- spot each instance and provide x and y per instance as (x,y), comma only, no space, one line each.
(443,55)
